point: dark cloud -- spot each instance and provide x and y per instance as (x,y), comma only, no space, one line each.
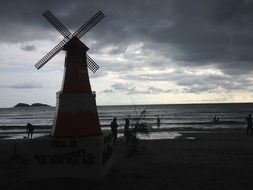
(194,83)
(132,89)
(155,90)
(123,88)
(28,47)
(181,32)
(108,91)
(25,85)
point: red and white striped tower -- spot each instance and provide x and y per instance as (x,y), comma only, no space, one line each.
(76,114)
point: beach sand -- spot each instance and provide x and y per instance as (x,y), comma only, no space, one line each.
(217,159)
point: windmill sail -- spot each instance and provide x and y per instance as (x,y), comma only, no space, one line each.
(50,54)
(67,35)
(91,64)
(57,24)
(89,24)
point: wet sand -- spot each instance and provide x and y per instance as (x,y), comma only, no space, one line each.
(217,159)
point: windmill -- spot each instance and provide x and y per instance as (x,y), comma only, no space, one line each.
(76,113)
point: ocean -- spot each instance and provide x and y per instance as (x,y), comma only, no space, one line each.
(172,116)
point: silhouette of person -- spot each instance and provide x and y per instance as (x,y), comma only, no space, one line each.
(249,126)
(114,129)
(126,130)
(158,121)
(216,119)
(144,113)
(30,129)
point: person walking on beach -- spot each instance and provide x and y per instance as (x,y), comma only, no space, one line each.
(158,121)
(114,129)
(30,129)
(249,126)
(126,131)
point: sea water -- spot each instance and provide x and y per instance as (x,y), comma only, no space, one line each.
(173,116)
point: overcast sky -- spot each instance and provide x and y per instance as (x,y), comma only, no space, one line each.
(149,51)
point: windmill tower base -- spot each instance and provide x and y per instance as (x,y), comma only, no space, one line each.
(48,158)
(76,115)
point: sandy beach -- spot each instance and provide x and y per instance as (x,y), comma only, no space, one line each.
(216,159)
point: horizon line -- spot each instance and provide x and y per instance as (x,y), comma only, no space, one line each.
(152,104)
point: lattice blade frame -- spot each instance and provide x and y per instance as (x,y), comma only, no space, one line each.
(67,34)
(91,64)
(89,24)
(57,24)
(50,54)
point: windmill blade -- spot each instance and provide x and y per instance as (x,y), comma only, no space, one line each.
(91,64)
(57,24)
(50,54)
(88,25)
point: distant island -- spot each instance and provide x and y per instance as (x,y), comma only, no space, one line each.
(22,105)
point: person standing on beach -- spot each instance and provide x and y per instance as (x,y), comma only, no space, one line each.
(30,129)
(158,121)
(114,129)
(249,126)
(126,131)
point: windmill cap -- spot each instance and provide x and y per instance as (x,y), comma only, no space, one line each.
(75,43)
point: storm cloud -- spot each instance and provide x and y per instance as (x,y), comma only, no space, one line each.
(25,85)
(137,37)
(28,47)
